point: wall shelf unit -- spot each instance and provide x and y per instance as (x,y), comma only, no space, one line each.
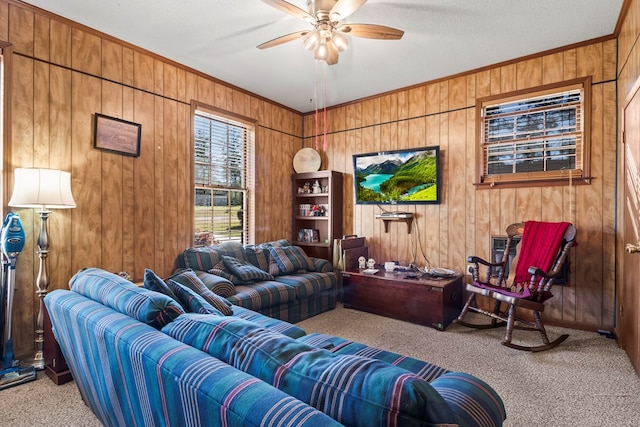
(405,217)
(317,212)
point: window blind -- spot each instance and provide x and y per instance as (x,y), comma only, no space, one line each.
(223,179)
(534,138)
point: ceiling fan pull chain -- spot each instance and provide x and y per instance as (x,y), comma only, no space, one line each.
(315,98)
(324,106)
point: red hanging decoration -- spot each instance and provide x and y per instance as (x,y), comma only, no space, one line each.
(324,104)
(315,98)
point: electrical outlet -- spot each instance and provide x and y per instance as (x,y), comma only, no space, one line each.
(470,268)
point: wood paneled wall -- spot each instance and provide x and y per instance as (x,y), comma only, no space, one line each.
(628,76)
(133,213)
(443,113)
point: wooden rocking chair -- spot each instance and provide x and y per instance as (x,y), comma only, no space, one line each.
(538,263)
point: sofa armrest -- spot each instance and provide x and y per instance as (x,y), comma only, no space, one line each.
(321,265)
(473,401)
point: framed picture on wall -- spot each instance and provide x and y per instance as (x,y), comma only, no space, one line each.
(117,135)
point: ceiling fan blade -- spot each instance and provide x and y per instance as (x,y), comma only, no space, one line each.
(287,7)
(372,31)
(282,39)
(345,8)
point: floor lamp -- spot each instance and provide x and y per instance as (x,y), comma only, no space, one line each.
(42,189)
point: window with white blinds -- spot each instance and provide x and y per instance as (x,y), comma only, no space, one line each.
(223,179)
(535,136)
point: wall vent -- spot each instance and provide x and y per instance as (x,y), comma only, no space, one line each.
(498,246)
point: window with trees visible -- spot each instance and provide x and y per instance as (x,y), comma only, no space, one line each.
(223,177)
(539,136)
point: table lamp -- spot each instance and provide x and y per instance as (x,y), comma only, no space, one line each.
(42,189)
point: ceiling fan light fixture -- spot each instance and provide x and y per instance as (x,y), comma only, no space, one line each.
(312,40)
(329,36)
(322,51)
(340,41)
(335,17)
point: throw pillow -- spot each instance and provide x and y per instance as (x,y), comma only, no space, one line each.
(200,258)
(205,258)
(218,285)
(291,259)
(149,307)
(189,279)
(220,270)
(245,270)
(273,267)
(258,256)
(192,302)
(155,283)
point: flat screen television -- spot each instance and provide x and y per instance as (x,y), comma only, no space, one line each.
(397,177)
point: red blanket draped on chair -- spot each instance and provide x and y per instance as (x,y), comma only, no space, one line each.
(539,247)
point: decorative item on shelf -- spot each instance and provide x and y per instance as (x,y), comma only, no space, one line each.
(371,263)
(306,160)
(43,189)
(316,187)
(308,235)
(307,210)
(362,262)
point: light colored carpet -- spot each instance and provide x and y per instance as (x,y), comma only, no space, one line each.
(587,381)
(43,403)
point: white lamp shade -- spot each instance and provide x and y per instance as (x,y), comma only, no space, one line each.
(42,188)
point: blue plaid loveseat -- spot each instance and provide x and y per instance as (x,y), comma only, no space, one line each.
(140,359)
(275,278)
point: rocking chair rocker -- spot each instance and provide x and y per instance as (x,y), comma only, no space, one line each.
(542,253)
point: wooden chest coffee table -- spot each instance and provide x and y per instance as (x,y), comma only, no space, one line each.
(424,300)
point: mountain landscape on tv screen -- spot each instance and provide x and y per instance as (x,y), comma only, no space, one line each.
(397,178)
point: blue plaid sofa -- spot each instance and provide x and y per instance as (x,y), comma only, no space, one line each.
(274,278)
(139,358)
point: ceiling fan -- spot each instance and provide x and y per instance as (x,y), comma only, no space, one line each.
(328,36)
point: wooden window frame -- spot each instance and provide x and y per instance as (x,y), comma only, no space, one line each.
(248,169)
(545,178)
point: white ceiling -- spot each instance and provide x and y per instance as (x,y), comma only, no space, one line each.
(442,38)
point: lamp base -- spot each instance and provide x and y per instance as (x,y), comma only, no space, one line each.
(37,362)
